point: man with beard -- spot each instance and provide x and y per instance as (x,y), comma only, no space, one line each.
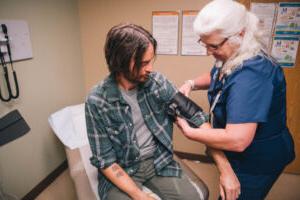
(129,132)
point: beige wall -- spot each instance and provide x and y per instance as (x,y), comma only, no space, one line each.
(51,80)
(54,78)
(98,16)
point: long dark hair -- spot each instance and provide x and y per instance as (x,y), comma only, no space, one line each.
(125,42)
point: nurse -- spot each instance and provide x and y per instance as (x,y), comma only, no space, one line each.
(247,96)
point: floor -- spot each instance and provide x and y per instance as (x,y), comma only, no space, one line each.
(60,189)
(286,188)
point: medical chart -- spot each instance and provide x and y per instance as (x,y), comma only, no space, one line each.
(189,45)
(288,19)
(266,15)
(165,31)
(284,50)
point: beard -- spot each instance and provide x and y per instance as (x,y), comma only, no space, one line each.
(136,78)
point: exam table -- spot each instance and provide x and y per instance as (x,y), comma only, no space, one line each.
(69,126)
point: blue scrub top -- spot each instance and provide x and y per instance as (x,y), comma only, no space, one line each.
(255,92)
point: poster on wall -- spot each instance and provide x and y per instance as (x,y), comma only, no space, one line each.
(190,45)
(18,34)
(288,19)
(266,15)
(284,50)
(165,31)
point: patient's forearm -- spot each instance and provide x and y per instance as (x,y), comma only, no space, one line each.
(116,174)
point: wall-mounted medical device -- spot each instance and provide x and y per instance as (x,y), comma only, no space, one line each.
(6,49)
(12,126)
(14,45)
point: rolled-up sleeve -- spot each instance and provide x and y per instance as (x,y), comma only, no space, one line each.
(103,154)
(168,89)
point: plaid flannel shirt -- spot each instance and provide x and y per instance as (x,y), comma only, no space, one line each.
(109,126)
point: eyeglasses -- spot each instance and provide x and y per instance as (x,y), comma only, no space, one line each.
(213,47)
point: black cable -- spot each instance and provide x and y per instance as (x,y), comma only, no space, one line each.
(6,79)
(4,29)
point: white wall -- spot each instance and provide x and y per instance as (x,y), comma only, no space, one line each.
(51,80)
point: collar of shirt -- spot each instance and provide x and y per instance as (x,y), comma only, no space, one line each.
(113,93)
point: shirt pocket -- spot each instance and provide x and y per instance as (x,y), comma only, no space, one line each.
(118,137)
(117,134)
(114,114)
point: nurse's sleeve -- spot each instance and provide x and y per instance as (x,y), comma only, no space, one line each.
(249,98)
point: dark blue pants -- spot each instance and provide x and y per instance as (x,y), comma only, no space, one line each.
(256,187)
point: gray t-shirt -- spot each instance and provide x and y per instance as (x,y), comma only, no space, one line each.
(144,136)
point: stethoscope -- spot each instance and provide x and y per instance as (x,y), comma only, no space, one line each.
(5,70)
(214,100)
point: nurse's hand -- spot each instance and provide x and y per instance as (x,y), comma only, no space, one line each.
(183,126)
(230,187)
(186,88)
(186,129)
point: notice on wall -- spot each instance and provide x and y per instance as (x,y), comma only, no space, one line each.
(190,45)
(266,15)
(288,19)
(19,40)
(165,31)
(284,50)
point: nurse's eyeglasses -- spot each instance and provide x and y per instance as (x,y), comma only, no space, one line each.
(213,47)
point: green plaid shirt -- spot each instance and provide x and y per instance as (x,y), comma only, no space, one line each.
(109,126)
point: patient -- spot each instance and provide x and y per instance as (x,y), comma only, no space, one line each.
(129,133)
